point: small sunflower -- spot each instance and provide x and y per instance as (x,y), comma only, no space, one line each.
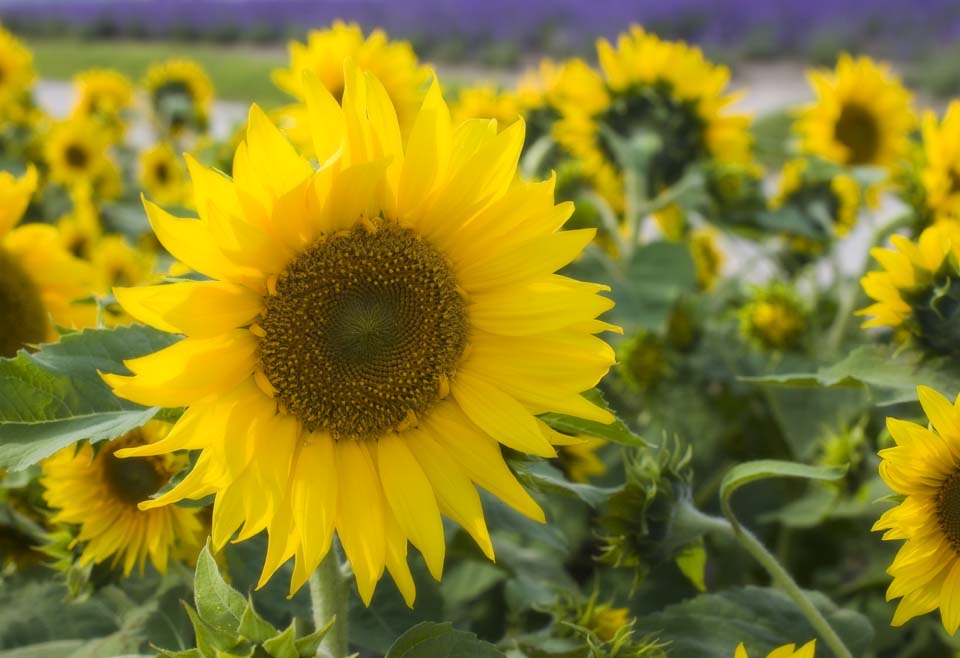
(923,469)
(103,95)
(919,287)
(163,176)
(579,458)
(707,256)
(76,153)
(118,264)
(16,69)
(39,279)
(863,116)
(643,361)
(786,651)
(827,194)
(774,319)
(378,327)
(940,173)
(181,95)
(99,492)
(667,88)
(605,621)
(394,63)
(485,101)
(80,229)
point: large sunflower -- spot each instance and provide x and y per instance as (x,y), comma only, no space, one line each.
(923,468)
(39,279)
(99,492)
(667,88)
(16,68)
(181,95)
(862,115)
(919,287)
(374,330)
(786,651)
(394,63)
(76,153)
(940,174)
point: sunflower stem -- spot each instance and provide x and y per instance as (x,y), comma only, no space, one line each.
(749,542)
(329,599)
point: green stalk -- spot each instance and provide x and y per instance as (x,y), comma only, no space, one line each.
(691,516)
(329,598)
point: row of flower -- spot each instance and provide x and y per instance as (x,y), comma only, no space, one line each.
(384,317)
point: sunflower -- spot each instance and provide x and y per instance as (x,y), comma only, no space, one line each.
(394,63)
(16,69)
(819,190)
(99,492)
(76,153)
(103,95)
(39,279)
(119,264)
(643,361)
(666,88)
(579,458)
(918,288)
(863,116)
(922,469)
(786,651)
(940,172)
(707,256)
(775,318)
(162,175)
(181,95)
(485,101)
(80,229)
(378,326)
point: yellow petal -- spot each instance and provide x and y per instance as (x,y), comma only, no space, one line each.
(197,308)
(360,523)
(313,495)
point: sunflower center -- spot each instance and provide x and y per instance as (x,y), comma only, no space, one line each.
(76,156)
(364,331)
(948,509)
(162,173)
(134,479)
(857,130)
(23,318)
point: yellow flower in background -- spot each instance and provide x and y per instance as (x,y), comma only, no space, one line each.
(16,69)
(579,458)
(163,176)
(707,257)
(394,63)
(774,319)
(605,621)
(76,152)
(667,88)
(486,102)
(103,95)
(940,174)
(99,492)
(839,194)
(917,289)
(80,229)
(786,651)
(39,279)
(556,85)
(923,469)
(117,263)
(862,116)
(181,95)
(374,330)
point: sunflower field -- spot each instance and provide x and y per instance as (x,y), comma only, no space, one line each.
(593,364)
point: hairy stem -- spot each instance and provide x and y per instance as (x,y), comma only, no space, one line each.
(328,595)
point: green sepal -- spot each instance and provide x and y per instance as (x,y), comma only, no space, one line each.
(308,645)
(210,641)
(283,645)
(186,653)
(254,627)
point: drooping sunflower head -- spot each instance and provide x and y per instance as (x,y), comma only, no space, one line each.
(181,95)
(923,469)
(707,256)
(103,95)
(16,68)
(99,492)
(643,361)
(863,115)
(163,176)
(486,101)
(918,289)
(39,279)
(374,329)
(668,89)
(940,171)
(76,152)
(826,194)
(775,318)
(394,63)
(786,651)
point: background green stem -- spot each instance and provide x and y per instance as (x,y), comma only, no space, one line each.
(329,598)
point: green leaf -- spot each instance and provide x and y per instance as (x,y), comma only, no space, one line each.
(541,476)
(252,626)
(615,432)
(218,604)
(283,645)
(441,640)
(308,645)
(54,649)
(891,373)
(210,640)
(748,472)
(692,562)
(54,397)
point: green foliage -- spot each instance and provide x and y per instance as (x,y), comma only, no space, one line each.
(432,640)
